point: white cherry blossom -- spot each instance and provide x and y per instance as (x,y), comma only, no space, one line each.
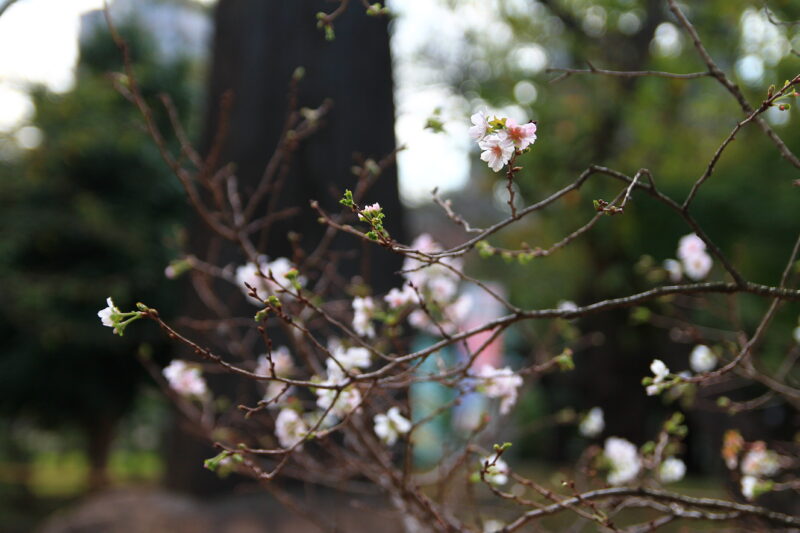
(480,125)
(624,459)
(397,298)
(593,423)
(702,359)
(185,379)
(671,470)
(500,383)
(281,360)
(106,315)
(363,308)
(290,428)
(674,270)
(659,370)
(497,473)
(697,266)
(389,426)
(497,150)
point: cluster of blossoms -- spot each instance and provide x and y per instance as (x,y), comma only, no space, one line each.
(625,463)
(694,260)
(260,277)
(185,379)
(756,465)
(500,138)
(701,360)
(435,284)
(500,383)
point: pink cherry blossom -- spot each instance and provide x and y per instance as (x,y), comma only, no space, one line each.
(690,245)
(522,135)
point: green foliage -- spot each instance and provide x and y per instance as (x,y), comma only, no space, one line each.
(90,213)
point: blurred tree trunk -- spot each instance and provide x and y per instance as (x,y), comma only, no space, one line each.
(257,47)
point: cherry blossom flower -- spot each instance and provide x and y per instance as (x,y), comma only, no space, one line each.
(369,211)
(671,470)
(692,253)
(522,135)
(624,459)
(185,379)
(420,320)
(760,462)
(690,245)
(390,425)
(353,357)
(290,429)
(500,383)
(660,373)
(697,266)
(567,305)
(110,315)
(480,125)
(497,150)
(702,359)
(497,473)
(281,360)
(398,298)
(340,404)
(593,423)
(749,484)
(659,370)
(493,526)
(251,274)
(673,269)
(362,317)
(277,394)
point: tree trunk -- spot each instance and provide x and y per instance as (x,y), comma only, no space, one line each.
(257,47)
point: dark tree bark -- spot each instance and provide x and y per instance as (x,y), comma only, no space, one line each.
(257,47)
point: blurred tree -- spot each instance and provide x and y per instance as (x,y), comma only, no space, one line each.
(90,212)
(669,126)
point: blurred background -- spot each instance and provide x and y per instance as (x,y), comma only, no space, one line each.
(88,209)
